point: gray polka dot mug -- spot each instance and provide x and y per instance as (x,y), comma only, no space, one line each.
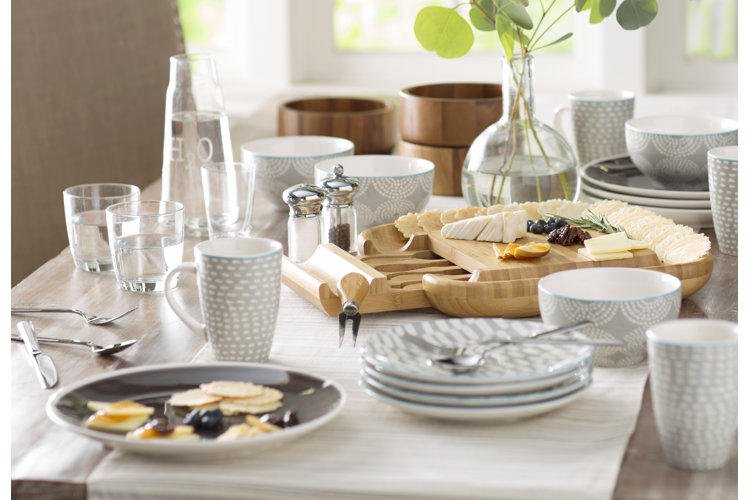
(239,282)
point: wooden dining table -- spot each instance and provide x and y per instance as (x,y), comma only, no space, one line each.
(50,462)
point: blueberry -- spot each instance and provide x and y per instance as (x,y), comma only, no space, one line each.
(548,228)
(193,418)
(211,418)
(561,223)
(529,224)
(541,221)
(537,228)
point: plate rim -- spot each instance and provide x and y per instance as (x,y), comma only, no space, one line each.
(655,193)
(158,447)
(647,201)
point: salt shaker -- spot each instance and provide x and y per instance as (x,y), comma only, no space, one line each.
(339,214)
(305,204)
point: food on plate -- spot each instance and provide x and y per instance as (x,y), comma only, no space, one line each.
(287,420)
(568,235)
(503,227)
(521,252)
(206,418)
(253,426)
(161,428)
(193,398)
(231,397)
(120,416)
(232,389)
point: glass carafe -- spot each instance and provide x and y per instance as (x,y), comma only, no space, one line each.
(519,158)
(196,132)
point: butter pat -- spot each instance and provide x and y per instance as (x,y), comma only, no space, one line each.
(613,243)
(585,252)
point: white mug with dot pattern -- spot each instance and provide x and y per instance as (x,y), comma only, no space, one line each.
(693,373)
(599,118)
(722,189)
(239,282)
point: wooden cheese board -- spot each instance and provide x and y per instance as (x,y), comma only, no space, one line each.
(457,277)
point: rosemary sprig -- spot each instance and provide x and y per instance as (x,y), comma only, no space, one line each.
(590,220)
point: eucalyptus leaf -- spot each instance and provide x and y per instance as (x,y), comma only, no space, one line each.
(634,14)
(516,12)
(507,34)
(443,31)
(582,5)
(561,39)
(479,19)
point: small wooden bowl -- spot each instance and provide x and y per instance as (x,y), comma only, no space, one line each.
(369,123)
(448,114)
(448,164)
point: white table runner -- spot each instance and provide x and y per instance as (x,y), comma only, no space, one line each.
(372,450)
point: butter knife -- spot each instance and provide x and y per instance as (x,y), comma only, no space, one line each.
(45,368)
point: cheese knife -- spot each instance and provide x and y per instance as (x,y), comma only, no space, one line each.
(44,367)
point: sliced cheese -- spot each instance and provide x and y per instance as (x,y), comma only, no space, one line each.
(466,229)
(493,231)
(510,224)
(613,243)
(584,252)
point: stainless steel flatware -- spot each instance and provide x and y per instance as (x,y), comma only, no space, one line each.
(101,350)
(448,351)
(91,319)
(353,288)
(43,365)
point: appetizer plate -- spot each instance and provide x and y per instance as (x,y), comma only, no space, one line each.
(478,401)
(501,389)
(493,413)
(644,200)
(388,352)
(315,400)
(619,174)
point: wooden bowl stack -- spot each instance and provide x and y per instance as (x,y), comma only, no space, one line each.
(369,123)
(438,122)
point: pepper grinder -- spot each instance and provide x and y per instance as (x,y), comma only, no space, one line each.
(339,215)
(305,202)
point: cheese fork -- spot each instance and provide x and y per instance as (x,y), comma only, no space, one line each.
(91,319)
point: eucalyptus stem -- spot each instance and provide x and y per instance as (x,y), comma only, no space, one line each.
(532,45)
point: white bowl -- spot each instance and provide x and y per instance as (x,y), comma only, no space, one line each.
(672,149)
(281,162)
(389,186)
(621,302)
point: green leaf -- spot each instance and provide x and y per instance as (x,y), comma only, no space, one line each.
(600,9)
(443,31)
(634,14)
(516,12)
(561,39)
(479,19)
(582,5)
(507,34)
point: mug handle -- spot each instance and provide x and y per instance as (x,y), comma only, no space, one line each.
(560,113)
(194,325)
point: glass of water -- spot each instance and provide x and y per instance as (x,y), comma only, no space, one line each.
(228,195)
(146,240)
(87,223)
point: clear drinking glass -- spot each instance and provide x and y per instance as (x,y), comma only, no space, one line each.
(196,132)
(146,240)
(228,195)
(87,223)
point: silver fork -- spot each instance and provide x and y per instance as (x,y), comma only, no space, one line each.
(91,319)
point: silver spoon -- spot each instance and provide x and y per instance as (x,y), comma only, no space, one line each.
(91,319)
(467,363)
(101,350)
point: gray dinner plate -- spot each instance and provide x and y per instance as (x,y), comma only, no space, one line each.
(316,401)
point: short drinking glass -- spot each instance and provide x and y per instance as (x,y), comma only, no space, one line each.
(146,240)
(228,196)
(87,223)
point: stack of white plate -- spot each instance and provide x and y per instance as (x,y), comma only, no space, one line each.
(617,178)
(517,380)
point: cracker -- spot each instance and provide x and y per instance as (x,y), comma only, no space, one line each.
(239,406)
(239,431)
(430,220)
(193,397)
(408,225)
(232,389)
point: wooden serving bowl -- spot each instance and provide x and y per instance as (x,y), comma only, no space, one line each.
(369,123)
(448,114)
(448,162)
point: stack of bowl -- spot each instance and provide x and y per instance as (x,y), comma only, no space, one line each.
(369,123)
(438,122)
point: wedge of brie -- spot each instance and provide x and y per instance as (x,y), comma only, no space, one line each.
(466,229)
(493,231)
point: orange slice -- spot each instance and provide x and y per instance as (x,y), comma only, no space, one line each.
(499,251)
(531,250)
(510,251)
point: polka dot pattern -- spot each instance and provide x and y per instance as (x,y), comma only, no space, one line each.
(240,300)
(722,187)
(600,128)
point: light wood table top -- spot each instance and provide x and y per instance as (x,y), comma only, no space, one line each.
(48,462)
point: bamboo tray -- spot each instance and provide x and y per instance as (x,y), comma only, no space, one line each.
(459,278)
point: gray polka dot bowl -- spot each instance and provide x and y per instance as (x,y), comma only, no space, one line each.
(389,185)
(621,302)
(671,149)
(281,162)
(693,366)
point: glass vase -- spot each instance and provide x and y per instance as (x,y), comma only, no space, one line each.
(519,158)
